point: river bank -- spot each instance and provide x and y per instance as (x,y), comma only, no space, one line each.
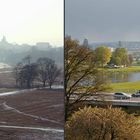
(126,69)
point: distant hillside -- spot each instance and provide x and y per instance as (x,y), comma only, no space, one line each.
(14,53)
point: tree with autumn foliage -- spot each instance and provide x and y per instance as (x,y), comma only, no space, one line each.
(102,124)
(103,55)
(81,74)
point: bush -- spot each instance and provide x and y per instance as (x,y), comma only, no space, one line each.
(102,124)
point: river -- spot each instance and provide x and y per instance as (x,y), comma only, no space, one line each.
(116,77)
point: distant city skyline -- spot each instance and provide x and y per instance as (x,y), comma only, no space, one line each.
(103,20)
(31,21)
(4,40)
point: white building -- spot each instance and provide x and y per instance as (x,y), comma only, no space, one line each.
(43,45)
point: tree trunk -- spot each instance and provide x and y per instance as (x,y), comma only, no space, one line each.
(67,108)
(28,84)
(44,83)
(50,85)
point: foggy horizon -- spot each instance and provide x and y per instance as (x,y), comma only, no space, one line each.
(31,44)
(32,21)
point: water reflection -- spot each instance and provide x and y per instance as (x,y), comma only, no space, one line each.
(123,76)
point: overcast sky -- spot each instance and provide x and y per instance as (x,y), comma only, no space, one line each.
(103,20)
(31,21)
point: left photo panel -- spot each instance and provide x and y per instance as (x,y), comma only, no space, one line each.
(31,70)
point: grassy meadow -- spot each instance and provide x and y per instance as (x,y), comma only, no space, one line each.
(128,87)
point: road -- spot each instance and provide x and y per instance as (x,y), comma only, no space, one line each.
(109,96)
(102,98)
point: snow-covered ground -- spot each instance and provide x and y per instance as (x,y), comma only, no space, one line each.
(4,65)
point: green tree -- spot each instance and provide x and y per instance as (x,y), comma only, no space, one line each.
(102,124)
(103,55)
(130,59)
(117,61)
(120,57)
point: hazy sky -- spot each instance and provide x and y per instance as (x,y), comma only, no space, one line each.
(31,21)
(103,20)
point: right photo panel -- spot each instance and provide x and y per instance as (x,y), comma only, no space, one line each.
(102,70)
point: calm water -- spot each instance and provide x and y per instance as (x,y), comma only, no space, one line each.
(124,77)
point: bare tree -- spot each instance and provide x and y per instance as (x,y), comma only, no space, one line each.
(53,72)
(26,60)
(29,73)
(43,63)
(48,71)
(25,73)
(17,74)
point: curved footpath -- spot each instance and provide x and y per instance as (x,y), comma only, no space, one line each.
(25,90)
(32,128)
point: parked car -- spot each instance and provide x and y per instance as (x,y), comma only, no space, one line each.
(137,94)
(121,95)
